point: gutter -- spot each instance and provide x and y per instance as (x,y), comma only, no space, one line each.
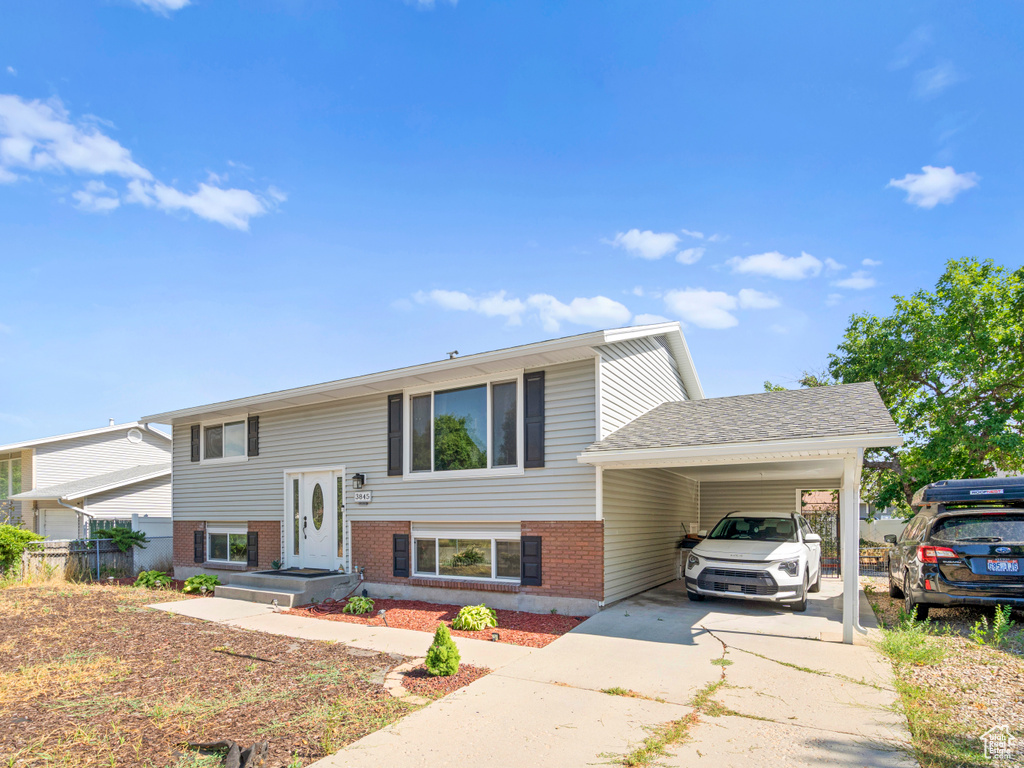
(78,510)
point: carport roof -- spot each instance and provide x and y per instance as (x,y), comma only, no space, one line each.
(841,411)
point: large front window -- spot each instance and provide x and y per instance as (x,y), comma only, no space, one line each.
(10,478)
(228,545)
(473,427)
(224,441)
(467,558)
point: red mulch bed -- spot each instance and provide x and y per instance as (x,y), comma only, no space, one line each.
(419,680)
(533,630)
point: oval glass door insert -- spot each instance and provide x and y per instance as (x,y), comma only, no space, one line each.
(318,506)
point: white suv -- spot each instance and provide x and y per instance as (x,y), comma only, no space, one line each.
(757,556)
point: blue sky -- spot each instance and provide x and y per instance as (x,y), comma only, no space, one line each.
(210,199)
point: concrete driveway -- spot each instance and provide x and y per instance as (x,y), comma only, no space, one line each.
(788,697)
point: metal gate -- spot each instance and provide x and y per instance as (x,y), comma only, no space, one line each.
(821,510)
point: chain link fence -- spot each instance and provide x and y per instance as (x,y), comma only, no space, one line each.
(97,559)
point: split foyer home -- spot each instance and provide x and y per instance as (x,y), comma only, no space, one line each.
(555,475)
(63,487)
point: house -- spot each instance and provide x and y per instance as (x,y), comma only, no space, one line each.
(65,486)
(558,475)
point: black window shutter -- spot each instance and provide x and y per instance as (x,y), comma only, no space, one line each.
(199,547)
(254,436)
(395,435)
(253,549)
(533,419)
(400,550)
(530,572)
(195,442)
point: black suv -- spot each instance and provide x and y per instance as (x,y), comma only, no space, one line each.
(965,546)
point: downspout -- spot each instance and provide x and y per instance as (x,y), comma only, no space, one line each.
(83,513)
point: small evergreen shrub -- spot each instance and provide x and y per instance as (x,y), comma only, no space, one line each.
(13,542)
(196,583)
(475,618)
(358,605)
(152,579)
(443,657)
(123,538)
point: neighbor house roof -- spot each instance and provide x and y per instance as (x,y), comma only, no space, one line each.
(90,486)
(534,355)
(87,433)
(819,413)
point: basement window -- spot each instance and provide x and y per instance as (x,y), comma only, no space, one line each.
(227,544)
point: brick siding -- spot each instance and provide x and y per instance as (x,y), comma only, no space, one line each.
(269,542)
(572,558)
(372,548)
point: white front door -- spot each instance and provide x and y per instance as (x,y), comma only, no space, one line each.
(318,521)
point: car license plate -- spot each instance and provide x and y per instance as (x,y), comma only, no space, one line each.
(734,587)
(1003,566)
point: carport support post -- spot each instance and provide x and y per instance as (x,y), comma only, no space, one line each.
(849,512)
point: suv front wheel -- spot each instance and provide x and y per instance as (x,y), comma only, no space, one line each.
(913,608)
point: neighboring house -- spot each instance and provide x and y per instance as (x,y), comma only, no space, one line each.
(65,486)
(555,475)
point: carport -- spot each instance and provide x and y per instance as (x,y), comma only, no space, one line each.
(683,465)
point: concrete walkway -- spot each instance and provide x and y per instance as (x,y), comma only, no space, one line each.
(791,698)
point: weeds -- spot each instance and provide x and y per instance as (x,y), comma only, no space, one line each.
(911,642)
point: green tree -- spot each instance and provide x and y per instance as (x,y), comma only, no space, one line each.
(949,365)
(454,448)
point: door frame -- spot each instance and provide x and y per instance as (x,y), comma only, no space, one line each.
(337,471)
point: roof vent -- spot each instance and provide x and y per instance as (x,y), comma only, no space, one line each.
(111,422)
(453,354)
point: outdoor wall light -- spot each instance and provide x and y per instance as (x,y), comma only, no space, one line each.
(494,637)
(358,480)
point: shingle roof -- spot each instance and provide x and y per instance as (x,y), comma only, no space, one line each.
(842,410)
(76,489)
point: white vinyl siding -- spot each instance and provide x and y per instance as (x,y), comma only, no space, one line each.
(353,433)
(151,497)
(636,376)
(718,499)
(81,457)
(646,512)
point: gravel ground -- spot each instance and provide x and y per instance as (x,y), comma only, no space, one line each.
(977,686)
(533,630)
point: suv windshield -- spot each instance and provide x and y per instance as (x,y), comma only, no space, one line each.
(749,528)
(980,528)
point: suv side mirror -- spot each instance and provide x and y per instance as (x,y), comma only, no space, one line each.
(812,538)
(890,538)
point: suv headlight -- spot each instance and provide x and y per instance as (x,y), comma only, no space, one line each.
(792,567)
(692,561)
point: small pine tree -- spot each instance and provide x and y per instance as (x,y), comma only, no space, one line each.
(443,657)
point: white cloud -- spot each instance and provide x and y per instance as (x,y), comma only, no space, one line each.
(934,186)
(716,238)
(637,290)
(929,83)
(832,299)
(597,312)
(163,7)
(871,263)
(96,197)
(41,137)
(834,266)
(751,299)
(689,255)
(911,48)
(645,319)
(12,71)
(646,244)
(703,308)
(693,233)
(774,264)
(858,281)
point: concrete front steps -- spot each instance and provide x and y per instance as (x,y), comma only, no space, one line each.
(289,591)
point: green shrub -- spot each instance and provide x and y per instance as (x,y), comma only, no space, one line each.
(358,605)
(123,538)
(153,579)
(475,618)
(196,583)
(471,556)
(13,542)
(1002,625)
(443,657)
